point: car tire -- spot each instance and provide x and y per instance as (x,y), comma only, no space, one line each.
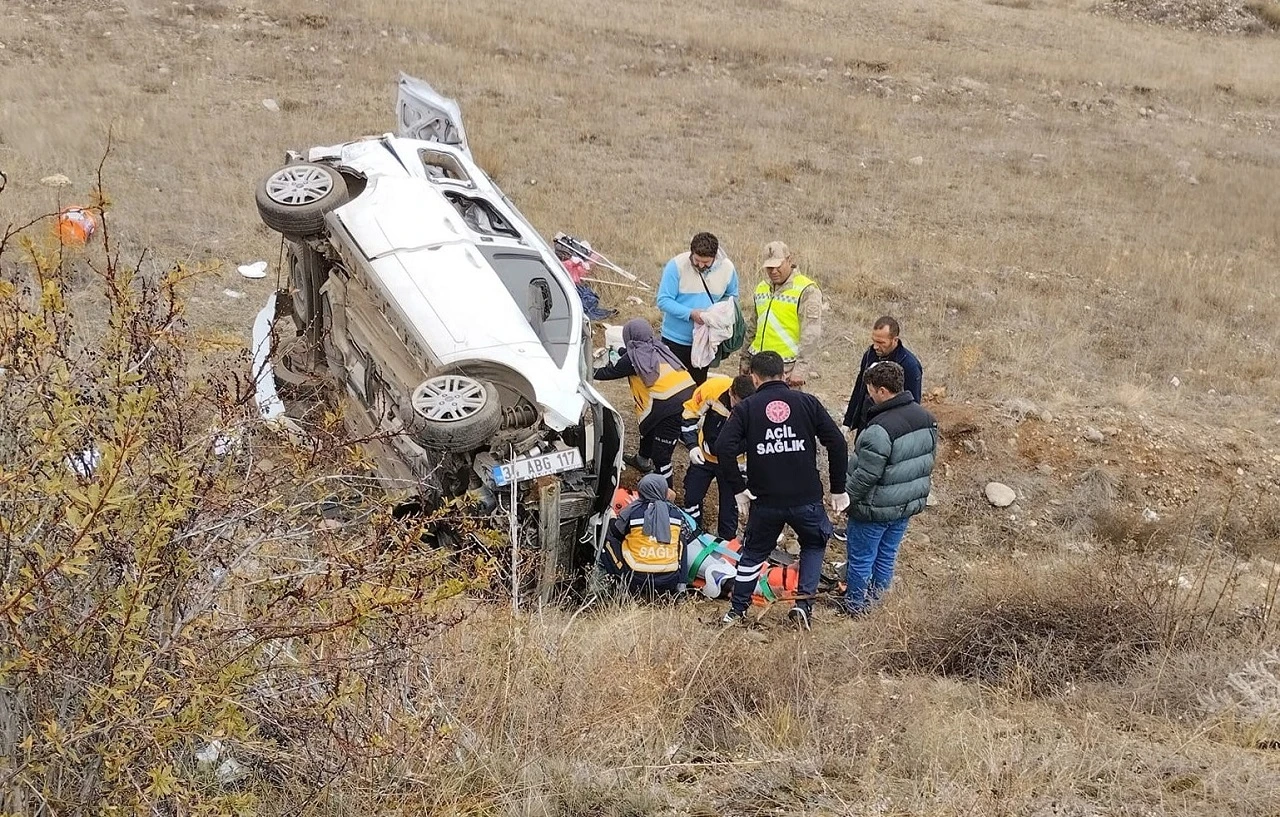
(293,199)
(455,413)
(307,273)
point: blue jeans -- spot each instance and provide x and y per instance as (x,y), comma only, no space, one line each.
(764,524)
(872,550)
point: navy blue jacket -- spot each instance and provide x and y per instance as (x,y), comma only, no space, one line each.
(778,428)
(855,416)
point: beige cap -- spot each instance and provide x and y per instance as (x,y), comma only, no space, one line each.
(775,252)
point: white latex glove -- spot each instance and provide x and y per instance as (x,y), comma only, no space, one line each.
(696,456)
(840,502)
(744,502)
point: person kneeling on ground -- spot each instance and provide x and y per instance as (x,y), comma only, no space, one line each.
(888,482)
(644,549)
(660,385)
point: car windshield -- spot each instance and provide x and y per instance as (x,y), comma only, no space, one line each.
(539,295)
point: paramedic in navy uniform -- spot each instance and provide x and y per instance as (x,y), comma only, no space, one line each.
(778,428)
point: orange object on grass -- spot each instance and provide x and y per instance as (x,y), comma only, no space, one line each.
(75,226)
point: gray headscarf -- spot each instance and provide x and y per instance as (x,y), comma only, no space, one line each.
(657,517)
(645,351)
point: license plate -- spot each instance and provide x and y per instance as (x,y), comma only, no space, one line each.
(553,462)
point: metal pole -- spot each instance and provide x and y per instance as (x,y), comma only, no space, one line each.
(515,544)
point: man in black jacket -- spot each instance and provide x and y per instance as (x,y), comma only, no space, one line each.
(885,345)
(778,428)
(888,483)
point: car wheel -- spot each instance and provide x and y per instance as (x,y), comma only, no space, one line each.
(453,412)
(294,199)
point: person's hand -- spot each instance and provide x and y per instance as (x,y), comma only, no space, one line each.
(696,316)
(696,456)
(744,502)
(840,502)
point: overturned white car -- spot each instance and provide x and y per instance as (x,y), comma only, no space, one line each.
(424,301)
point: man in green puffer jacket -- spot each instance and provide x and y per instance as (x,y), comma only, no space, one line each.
(888,482)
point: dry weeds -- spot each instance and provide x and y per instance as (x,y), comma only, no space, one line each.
(1091,229)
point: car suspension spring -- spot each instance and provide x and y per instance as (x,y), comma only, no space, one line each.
(519,416)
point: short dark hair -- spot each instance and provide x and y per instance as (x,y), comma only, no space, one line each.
(886,322)
(767,365)
(743,386)
(886,374)
(705,244)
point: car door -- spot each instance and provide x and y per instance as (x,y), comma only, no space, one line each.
(423,113)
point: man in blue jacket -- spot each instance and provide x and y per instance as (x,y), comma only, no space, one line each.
(692,282)
(888,483)
(885,345)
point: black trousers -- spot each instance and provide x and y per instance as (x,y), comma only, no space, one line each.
(658,444)
(697,480)
(764,524)
(684,351)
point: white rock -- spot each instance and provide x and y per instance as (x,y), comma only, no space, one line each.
(1175,382)
(1150,515)
(916,161)
(931,500)
(915,97)
(1093,435)
(210,753)
(254,269)
(56,180)
(270,104)
(230,771)
(1000,495)
(231,293)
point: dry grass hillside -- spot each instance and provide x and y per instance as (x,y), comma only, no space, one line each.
(1071,207)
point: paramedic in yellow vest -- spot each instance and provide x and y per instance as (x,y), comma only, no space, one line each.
(787,318)
(645,548)
(660,385)
(704,416)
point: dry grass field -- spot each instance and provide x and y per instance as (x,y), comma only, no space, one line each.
(1073,212)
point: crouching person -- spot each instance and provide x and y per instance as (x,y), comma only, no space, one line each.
(704,415)
(888,482)
(660,385)
(644,549)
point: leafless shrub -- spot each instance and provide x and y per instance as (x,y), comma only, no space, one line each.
(1034,636)
(1266,10)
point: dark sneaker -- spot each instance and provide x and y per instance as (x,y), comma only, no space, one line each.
(799,618)
(642,464)
(840,534)
(734,618)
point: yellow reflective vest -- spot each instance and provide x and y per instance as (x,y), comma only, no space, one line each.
(705,413)
(668,392)
(778,317)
